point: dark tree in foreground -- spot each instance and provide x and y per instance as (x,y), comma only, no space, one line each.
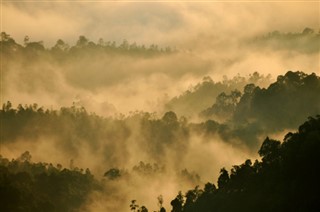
(286,179)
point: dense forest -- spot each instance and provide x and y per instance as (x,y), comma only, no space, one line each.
(306,41)
(91,127)
(83,46)
(199,97)
(28,186)
(246,115)
(285,179)
(166,141)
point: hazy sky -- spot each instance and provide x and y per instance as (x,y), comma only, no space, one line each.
(210,37)
(177,23)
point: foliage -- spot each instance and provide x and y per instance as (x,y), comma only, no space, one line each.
(286,179)
(307,41)
(202,95)
(27,186)
(259,111)
(283,104)
(256,113)
(83,46)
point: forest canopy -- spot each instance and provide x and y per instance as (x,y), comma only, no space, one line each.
(285,179)
(287,173)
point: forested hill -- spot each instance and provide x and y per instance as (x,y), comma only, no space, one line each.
(285,179)
(283,104)
(180,143)
(203,94)
(61,50)
(28,186)
(255,112)
(306,41)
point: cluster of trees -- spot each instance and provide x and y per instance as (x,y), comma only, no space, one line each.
(28,186)
(147,170)
(224,106)
(280,106)
(286,174)
(136,208)
(285,179)
(83,46)
(287,96)
(71,124)
(31,67)
(202,95)
(259,111)
(307,41)
(142,169)
(73,127)
(235,116)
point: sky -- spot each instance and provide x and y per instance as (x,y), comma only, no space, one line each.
(210,36)
(170,23)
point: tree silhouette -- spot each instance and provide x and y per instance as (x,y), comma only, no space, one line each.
(223,178)
(177,203)
(286,178)
(134,205)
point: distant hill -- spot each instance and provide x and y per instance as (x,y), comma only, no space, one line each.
(204,94)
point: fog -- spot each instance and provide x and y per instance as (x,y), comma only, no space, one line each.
(211,39)
(163,56)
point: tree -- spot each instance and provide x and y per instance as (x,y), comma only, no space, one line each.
(112,174)
(307,31)
(269,150)
(223,178)
(124,45)
(160,202)
(143,209)
(134,205)
(209,188)
(82,41)
(26,156)
(287,178)
(177,203)
(60,46)
(35,46)
(26,40)
(170,118)
(5,37)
